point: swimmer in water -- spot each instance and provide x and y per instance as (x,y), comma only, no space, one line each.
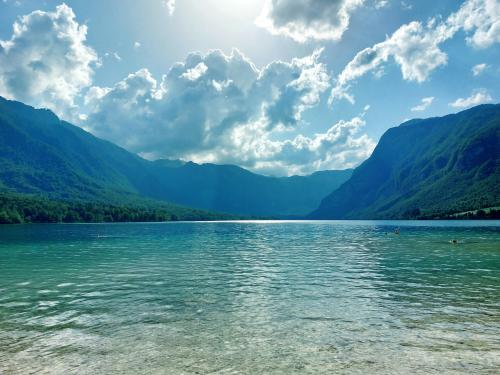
(454,242)
(397,231)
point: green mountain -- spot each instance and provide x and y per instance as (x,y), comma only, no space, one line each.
(228,188)
(42,155)
(424,169)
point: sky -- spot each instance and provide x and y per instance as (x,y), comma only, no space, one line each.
(280,87)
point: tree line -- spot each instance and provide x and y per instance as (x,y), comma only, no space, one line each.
(492,213)
(18,209)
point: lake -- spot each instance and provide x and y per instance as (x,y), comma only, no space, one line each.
(250,298)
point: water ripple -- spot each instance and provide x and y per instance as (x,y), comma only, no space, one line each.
(250,298)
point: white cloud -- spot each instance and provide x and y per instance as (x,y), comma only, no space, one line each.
(213,92)
(113,55)
(379,4)
(46,62)
(424,104)
(210,107)
(137,45)
(479,96)
(480,19)
(415,47)
(221,108)
(170,5)
(308,19)
(341,146)
(94,94)
(195,73)
(479,69)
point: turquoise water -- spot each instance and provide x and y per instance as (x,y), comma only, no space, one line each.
(250,298)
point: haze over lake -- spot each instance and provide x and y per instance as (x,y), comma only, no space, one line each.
(250,297)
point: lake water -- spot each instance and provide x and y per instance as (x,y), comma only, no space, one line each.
(250,298)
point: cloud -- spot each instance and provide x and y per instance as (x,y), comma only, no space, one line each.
(415,47)
(479,69)
(308,19)
(479,96)
(341,146)
(480,19)
(170,5)
(406,6)
(424,104)
(208,108)
(113,55)
(195,73)
(221,108)
(46,62)
(379,4)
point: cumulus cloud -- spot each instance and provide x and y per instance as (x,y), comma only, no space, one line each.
(479,96)
(308,19)
(169,5)
(480,19)
(341,146)
(208,108)
(221,108)
(46,62)
(415,47)
(424,104)
(479,69)
(195,73)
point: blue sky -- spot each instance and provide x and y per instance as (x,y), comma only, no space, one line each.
(279,87)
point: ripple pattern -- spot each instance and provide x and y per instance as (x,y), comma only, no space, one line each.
(250,298)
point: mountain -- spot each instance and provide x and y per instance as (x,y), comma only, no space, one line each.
(228,188)
(42,155)
(425,168)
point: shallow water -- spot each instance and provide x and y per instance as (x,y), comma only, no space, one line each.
(250,298)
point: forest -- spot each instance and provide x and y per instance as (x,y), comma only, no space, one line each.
(20,209)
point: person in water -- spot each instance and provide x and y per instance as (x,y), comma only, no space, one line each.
(397,231)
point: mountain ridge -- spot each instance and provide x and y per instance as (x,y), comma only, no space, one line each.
(41,154)
(425,168)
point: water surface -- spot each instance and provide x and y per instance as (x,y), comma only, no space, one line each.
(250,298)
